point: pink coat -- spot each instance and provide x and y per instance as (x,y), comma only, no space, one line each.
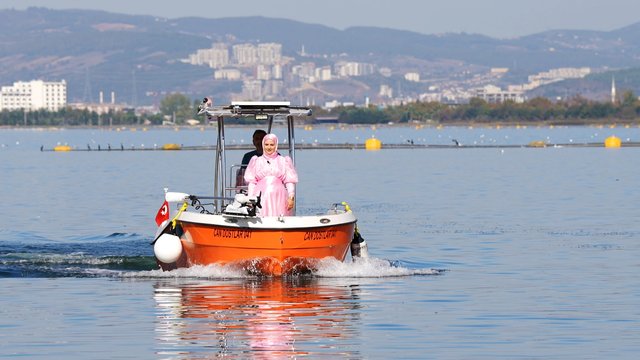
(274,177)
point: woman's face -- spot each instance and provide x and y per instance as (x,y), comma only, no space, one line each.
(269,147)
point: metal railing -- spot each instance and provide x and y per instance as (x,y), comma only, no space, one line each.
(236,180)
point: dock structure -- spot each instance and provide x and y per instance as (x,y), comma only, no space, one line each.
(342,146)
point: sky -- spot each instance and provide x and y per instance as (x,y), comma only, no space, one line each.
(495,18)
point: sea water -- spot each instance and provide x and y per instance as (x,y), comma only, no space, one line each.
(517,253)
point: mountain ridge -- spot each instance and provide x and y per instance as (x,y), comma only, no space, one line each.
(135,55)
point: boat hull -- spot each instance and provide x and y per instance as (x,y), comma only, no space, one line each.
(270,246)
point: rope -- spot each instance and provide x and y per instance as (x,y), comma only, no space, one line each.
(348,208)
(175,218)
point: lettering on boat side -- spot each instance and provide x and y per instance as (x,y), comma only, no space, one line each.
(232,234)
(319,235)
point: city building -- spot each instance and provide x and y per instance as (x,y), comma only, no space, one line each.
(273,89)
(263,72)
(412,76)
(351,68)
(493,94)
(323,73)
(304,72)
(499,71)
(227,74)
(216,58)
(34,95)
(252,90)
(554,75)
(385,91)
(245,54)
(269,53)
(276,71)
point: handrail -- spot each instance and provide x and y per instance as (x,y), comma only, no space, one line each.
(233,187)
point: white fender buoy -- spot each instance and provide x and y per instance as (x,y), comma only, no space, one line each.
(359,248)
(167,248)
(176,196)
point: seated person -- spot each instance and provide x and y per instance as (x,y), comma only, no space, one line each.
(258,135)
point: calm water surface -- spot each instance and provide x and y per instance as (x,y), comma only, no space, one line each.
(515,253)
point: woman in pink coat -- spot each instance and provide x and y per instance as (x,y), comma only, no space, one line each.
(273,176)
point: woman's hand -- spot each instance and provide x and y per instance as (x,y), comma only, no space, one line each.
(290,203)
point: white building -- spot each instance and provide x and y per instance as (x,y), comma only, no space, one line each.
(227,74)
(276,71)
(34,95)
(265,54)
(263,72)
(323,73)
(386,91)
(269,53)
(559,74)
(493,94)
(430,97)
(412,76)
(348,69)
(245,54)
(304,71)
(217,57)
(499,71)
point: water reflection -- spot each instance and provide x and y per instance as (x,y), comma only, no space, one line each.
(257,318)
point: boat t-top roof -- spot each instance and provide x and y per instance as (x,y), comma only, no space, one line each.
(260,110)
(257,109)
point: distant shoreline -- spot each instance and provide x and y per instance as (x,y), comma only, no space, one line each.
(490,124)
(351,146)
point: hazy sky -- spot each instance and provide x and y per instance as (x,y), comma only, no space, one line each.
(496,18)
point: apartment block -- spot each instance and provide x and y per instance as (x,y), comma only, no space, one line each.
(493,94)
(34,95)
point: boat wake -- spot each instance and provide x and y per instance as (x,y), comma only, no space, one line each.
(326,268)
(369,267)
(27,255)
(193,272)
(78,264)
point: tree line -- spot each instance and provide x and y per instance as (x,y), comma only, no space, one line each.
(577,110)
(177,109)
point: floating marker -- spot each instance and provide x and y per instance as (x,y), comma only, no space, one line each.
(171,147)
(373,144)
(62,148)
(612,142)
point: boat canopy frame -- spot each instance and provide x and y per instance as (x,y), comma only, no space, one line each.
(260,110)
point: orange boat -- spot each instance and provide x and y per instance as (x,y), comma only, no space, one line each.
(232,233)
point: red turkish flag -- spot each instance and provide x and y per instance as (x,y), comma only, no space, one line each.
(163,213)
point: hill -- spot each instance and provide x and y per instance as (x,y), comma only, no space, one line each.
(138,57)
